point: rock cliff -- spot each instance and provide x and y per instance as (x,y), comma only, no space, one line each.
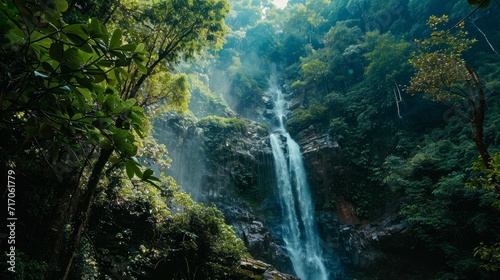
(360,245)
(322,160)
(236,174)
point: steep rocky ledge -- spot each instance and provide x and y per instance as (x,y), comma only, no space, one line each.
(253,269)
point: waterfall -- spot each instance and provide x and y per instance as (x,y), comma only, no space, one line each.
(300,234)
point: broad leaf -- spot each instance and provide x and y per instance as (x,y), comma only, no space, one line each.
(116,39)
(132,168)
(56,51)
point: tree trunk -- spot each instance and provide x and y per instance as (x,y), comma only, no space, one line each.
(84,211)
(67,195)
(478,115)
(64,212)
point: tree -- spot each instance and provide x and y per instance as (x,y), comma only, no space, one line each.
(387,57)
(488,180)
(60,87)
(72,90)
(203,247)
(443,75)
(170,31)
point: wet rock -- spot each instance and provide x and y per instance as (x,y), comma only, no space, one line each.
(254,269)
(257,236)
(323,163)
(311,140)
(364,246)
(268,113)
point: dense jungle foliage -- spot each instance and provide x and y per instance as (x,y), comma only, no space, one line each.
(407,88)
(409,91)
(80,80)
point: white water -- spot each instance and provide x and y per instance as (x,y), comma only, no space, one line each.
(299,228)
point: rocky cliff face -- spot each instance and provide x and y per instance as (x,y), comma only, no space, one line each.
(238,181)
(322,160)
(360,245)
(241,184)
(364,246)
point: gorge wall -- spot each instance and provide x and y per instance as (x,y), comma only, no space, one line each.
(217,162)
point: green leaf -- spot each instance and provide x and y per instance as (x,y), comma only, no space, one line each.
(115,74)
(71,58)
(129,103)
(138,57)
(75,39)
(116,39)
(137,109)
(122,71)
(97,30)
(77,29)
(114,159)
(62,5)
(128,148)
(80,42)
(153,178)
(122,60)
(86,94)
(100,97)
(127,48)
(15,35)
(119,135)
(85,82)
(139,130)
(135,118)
(129,168)
(56,51)
(147,174)
(140,65)
(132,168)
(139,48)
(81,102)
(105,63)
(95,71)
(49,64)
(77,116)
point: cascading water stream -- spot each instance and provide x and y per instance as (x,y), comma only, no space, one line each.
(299,228)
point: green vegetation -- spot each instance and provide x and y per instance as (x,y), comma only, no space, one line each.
(219,134)
(73,124)
(357,71)
(411,103)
